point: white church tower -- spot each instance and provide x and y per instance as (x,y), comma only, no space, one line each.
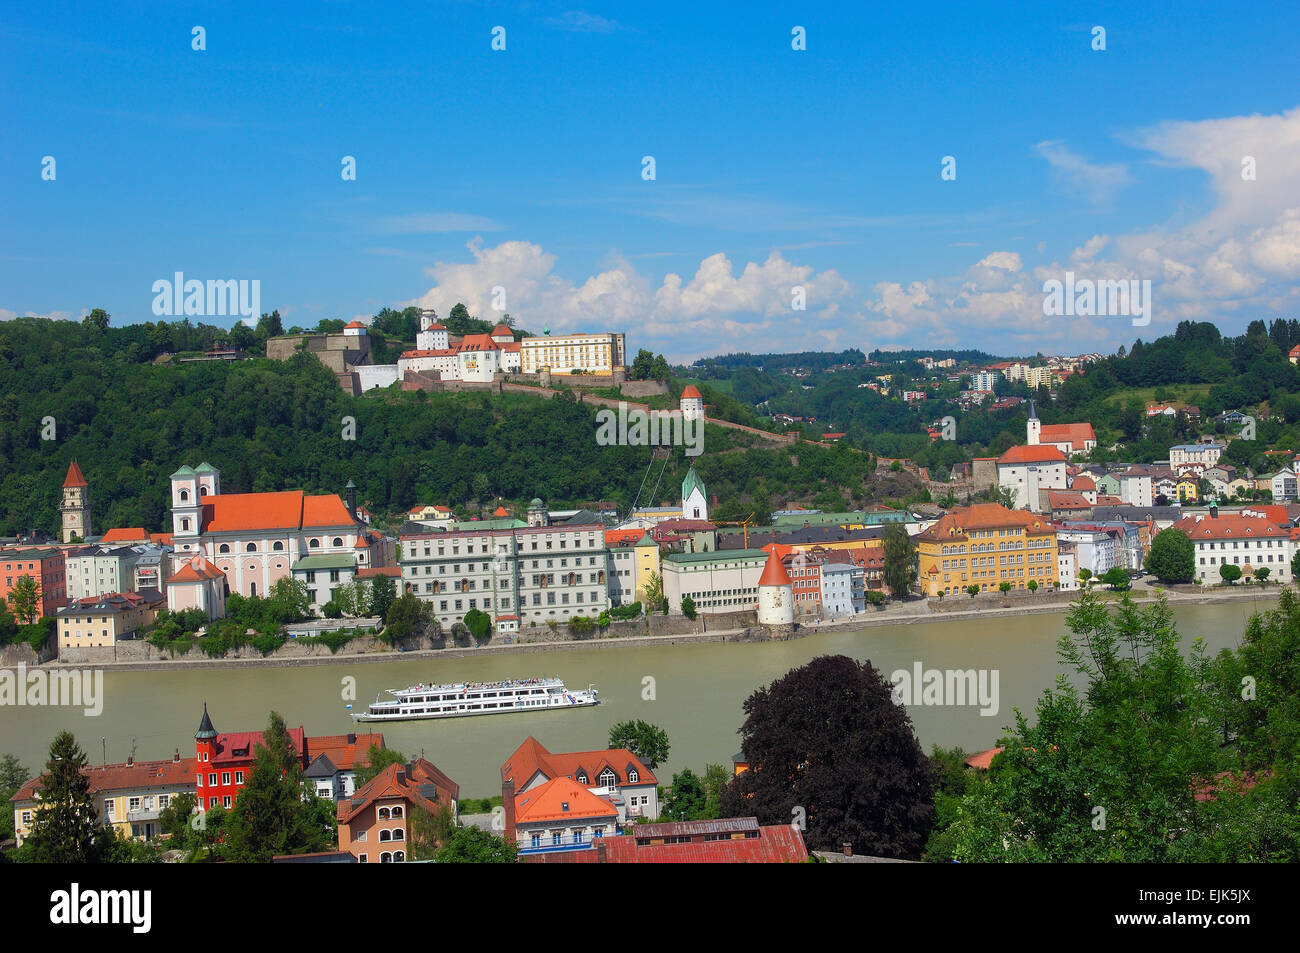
(1034,427)
(695,505)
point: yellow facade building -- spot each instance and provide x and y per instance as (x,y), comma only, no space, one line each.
(986,545)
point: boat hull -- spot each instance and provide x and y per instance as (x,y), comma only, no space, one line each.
(367,716)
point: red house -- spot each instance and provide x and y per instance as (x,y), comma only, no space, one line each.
(225,760)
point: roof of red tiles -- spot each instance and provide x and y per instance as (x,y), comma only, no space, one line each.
(560,799)
(74,477)
(982,760)
(117,777)
(197,569)
(1230,527)
(1074,434)
(774,573)
(400,781)
(776,844)
(531,759)
(131,534)
(345,754)
(953,525)
(288,509)
(1026,454)
(1084,483)
(691,392)
(503,330)
(394,571)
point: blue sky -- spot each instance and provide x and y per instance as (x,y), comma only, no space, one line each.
(522,168)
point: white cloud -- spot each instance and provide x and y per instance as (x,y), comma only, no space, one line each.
(1097,183)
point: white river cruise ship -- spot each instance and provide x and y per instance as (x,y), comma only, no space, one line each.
(461,699)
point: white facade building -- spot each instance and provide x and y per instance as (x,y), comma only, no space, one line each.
(1247,542)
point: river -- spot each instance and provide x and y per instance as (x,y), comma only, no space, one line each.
(695,693)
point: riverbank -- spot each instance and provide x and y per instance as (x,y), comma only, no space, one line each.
(904,613)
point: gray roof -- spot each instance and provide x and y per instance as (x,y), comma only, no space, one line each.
(1136,514)
(321,767)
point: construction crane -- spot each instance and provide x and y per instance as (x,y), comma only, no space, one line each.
(746,523)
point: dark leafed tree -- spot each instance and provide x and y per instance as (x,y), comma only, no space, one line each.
(900,560)
(826,743)
(66,828)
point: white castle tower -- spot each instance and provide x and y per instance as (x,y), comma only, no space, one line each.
(695,504)
(432,336)
(775,594)
(1034,427)
(692,403)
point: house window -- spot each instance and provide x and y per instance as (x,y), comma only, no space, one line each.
(607,778)
(225,801)
(632,776)
(225,777)
(212,779)
(239,777)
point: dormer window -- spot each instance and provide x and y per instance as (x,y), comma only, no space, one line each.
(632,776)
(582,777)
(607,778)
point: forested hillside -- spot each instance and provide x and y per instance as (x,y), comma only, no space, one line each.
(269,425)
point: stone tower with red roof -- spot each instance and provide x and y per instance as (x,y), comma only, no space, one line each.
(75,508)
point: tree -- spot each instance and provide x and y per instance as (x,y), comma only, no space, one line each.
(383,593)
(1004,586)
(470,845)
(272,815)
(1116,578)
(289,600)
(1230,573)
(1262,574)
(1295,564)
(972,590)
(900,560)
(829,747)
(686,799)
(25,598)
(406,615)
(654,590)
(643,739)
(1084,576)
(12,777)
(1032,585)
(65,827)
(1172,558)
(174,820)
(688,607)
(429,831)
(96,321)
(716,777)
(479,624)
(377,759)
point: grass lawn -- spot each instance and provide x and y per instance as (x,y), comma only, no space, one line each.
(1183,394)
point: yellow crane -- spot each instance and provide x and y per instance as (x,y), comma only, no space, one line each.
(746,523)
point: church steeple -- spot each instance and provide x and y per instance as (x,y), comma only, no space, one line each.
(75,509)
(1034,428)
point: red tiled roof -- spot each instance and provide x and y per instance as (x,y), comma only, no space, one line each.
(776,844)
(478,342)
(247,742)
(1084,483)
(1063,499)
(502,330)
(288,509)
(954,525)
(394,571)
(983,759)
(1026,454)
(402,781)
(354,324)
(105,778)
(74,477)
(1074,434)
(560,799)
(197,569)
(344,754)
(531,758)
(1230,527)
(774,573)
(132,534)
(691,392)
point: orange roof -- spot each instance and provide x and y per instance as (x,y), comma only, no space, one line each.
(362,543)
(691,392)
(344,754)
(289,509)
(74,477)
(502,330)
(560,799)
(1064,499)
(1043,453)
(477,342)
(196,569)
(394,571)
(531,759)
(105,778)
(430,352)
(774,573)
(1084,483)
(620,537)
(500,511)
(162,539)
(1074,434)
(354,324)
(983,759)
(955,524)
(401,781)
(132,534)
(1230,527)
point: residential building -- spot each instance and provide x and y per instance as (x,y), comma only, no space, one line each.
(1187,488)
(574,353)
(46,565)
(1066,566)
(843,588)
(127,797)
(804,573)
(1283,486)
(985,545)
(333,761)
(226,759)
(1194,457)
(633,558)
(376,823)
(1248,542)
(984,380)
(97,570)
(563,800)
(1136,487)
(103,621)
(323,574)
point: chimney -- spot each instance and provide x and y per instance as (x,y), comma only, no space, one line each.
(602,852)
(847,847)
(352,737)
(508,803)
(176,757)
(130,760)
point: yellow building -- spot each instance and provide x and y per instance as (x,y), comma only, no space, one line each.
(1187,488)
(99,621)
(572,353)
(985,545)
(128,797)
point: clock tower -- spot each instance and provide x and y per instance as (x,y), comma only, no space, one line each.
(75,508)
